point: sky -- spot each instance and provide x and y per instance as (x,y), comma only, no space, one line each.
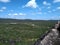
(30,9)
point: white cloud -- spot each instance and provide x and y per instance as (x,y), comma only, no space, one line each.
(46,3)
(15,14)
(48,7)
(31,3)
(54,10)
(58,8)
(22,14)
(9,14)
(4,1)
(3,8)
(55,17)
(55,1)
(11,10)
(36,13)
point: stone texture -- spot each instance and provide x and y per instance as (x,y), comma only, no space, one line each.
(52,37)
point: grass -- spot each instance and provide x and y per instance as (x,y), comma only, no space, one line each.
(22,33)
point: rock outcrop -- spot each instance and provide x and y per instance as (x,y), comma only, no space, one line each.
(51,37)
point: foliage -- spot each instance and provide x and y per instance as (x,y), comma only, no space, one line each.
(23,32)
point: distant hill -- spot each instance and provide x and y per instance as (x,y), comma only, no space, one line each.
(5,20)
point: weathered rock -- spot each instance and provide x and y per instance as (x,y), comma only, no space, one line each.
(52,37)
(57,42)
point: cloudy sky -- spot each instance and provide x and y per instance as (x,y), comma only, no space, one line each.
(30,9)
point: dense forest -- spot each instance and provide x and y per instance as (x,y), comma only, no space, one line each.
(23,32)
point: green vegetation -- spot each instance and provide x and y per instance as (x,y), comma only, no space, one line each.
(23,32)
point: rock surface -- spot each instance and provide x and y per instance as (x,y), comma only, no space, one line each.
(52,37)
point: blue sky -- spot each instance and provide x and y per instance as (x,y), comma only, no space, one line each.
(30,9)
